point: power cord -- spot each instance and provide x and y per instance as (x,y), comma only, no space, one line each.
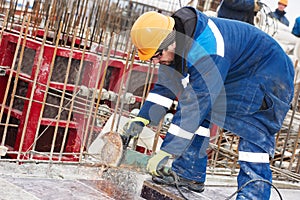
(168,172)
(176,183)
(165,171)
(251,181)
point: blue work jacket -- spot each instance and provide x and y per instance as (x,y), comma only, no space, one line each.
(227,77)
(242,10)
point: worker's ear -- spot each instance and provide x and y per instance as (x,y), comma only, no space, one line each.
(172,47)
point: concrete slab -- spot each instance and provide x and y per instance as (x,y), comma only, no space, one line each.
(45,181)
(37,188)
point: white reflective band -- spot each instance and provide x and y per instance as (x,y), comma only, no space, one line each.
(203,131)
(158,99)
(176,130)
(185,81)
(253,157)
(218,36)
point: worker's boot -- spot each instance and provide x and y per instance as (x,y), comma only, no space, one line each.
(168,177)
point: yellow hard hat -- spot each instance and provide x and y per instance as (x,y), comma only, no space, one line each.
(149,31)
(284,2)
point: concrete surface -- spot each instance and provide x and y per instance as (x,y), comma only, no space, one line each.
(60,182)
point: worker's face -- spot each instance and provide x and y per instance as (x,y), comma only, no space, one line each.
(281,7)
(166,56)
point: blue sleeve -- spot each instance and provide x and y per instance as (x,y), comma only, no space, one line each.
(160,98)
(241,5)
(296,28)
(206,82)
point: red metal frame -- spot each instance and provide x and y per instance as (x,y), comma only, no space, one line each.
(78,125)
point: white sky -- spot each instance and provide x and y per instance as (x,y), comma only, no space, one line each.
(292,10)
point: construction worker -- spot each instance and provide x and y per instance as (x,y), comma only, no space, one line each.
(279,13)
(239,10)
(221,74)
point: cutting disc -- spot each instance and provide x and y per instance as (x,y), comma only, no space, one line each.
(112,150)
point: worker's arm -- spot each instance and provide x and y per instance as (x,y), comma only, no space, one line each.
(206,83)
(240,5)
(158,101)
(161,97)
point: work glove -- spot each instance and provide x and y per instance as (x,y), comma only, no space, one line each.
(158,162)
(134,127)
(257,5)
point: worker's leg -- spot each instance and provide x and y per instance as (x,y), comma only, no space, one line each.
(254,172)
(190,166)
(192,163)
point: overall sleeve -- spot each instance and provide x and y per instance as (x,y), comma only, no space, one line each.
(240,5)
(296,28)
(206,82)
(161,97)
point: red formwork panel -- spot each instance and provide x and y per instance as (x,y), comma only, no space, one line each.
(78,124)
(88,79)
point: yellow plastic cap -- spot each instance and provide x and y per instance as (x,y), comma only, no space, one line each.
(284,2)
(149,31)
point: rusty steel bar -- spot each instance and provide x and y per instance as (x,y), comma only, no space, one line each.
(53,14)
(87,32)
(146,83)
(55,95)
(70,24)
(15,82)
(290,125)
(63,93)
(47,87)
(39,63)
(100,87)
(11,71)
(276,145)
(78,110)
(3,26)
(149,82)
(294,150)
(35,11)
(100,92)
(84,13)
(121,89)
(216,154)
(156,137)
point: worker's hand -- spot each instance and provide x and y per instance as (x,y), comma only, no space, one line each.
(134,127)
(157,162)
(257,5)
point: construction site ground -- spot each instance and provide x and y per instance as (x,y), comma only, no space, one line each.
(32,181)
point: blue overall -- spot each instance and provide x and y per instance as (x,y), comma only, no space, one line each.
(227,78)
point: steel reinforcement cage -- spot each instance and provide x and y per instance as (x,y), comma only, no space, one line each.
(67,67)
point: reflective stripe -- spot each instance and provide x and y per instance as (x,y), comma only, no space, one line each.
(203,131)
(179,132)
(253,157)
(158,99)
(185,81)
(218,36)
